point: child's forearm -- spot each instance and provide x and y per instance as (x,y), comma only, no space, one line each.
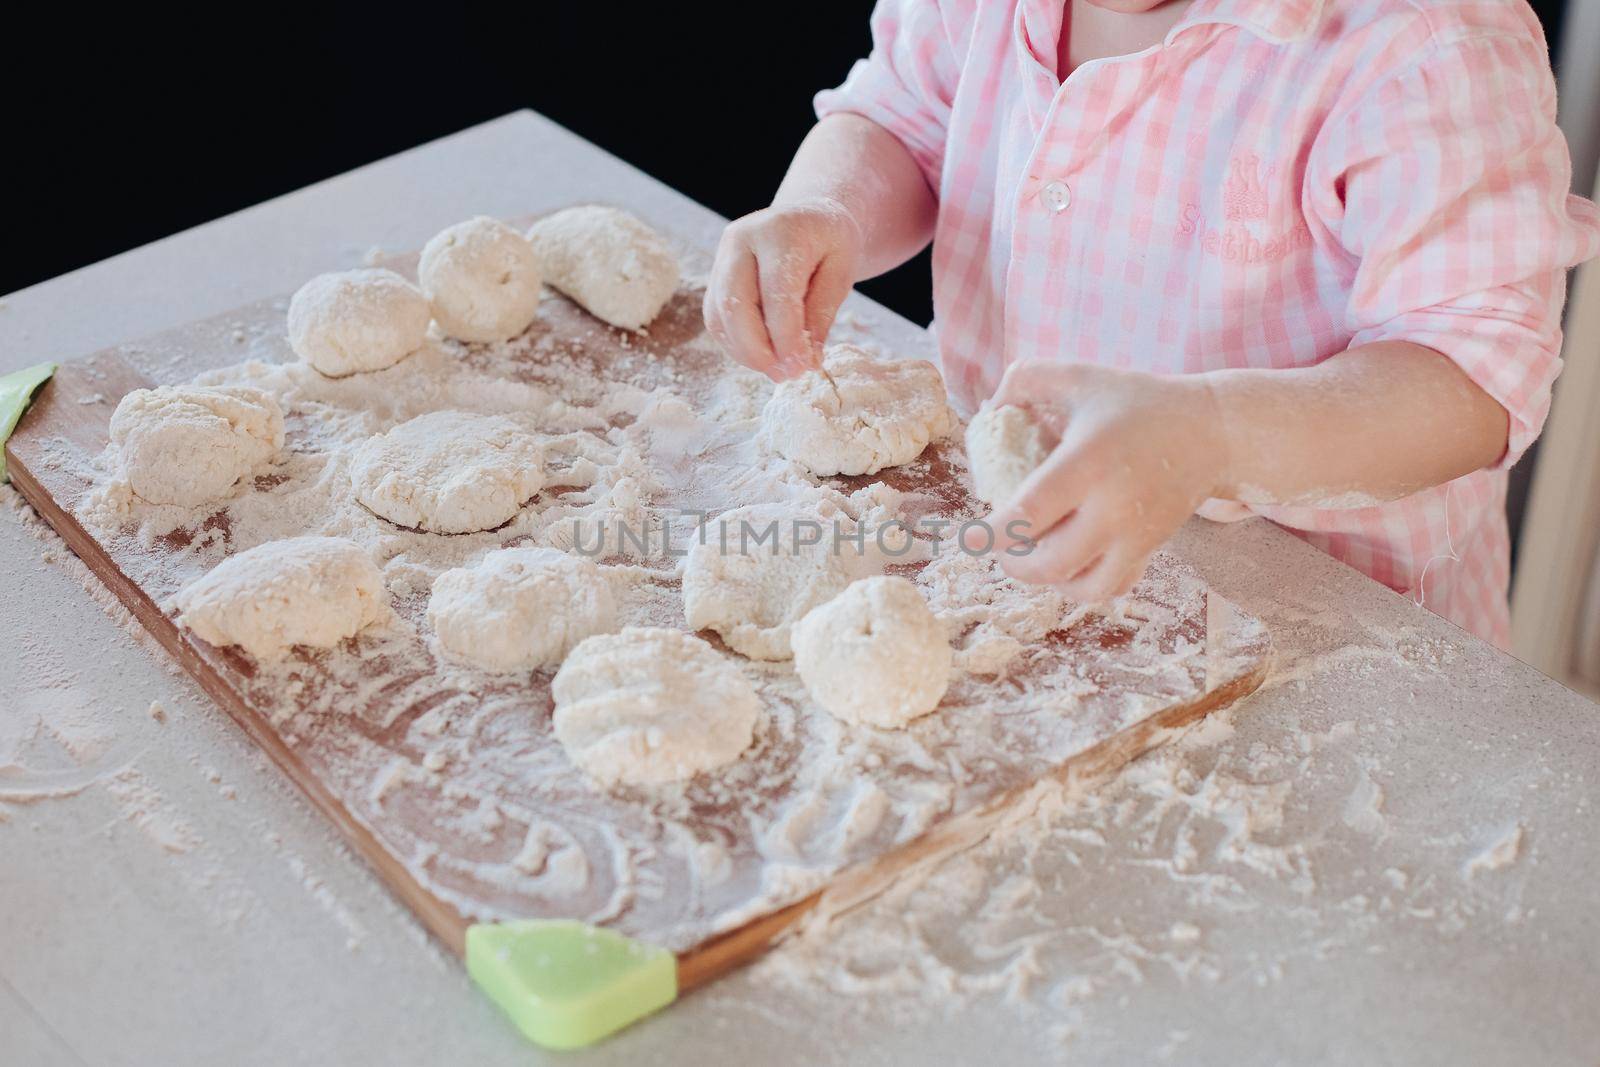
(1374,423)
(859,165)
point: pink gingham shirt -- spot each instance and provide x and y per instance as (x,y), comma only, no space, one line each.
(1277,181)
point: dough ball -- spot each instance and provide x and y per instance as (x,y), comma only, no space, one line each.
(482,278)
(449,472)
(188,444)
(651,705)
(313,591)
(752,576)
(357,320)
(874,655)
(883,414)
(614,266)
(520,608)
(1004,446)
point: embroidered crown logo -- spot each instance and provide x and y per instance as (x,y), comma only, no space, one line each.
(1242,194)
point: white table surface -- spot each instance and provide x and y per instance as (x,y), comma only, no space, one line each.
(261,939)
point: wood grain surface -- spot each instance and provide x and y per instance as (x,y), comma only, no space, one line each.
(66,428)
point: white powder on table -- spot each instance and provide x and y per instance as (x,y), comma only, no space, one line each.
(1215,817)
(1065,911)
(639,433)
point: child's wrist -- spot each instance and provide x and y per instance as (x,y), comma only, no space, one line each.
(1211,419)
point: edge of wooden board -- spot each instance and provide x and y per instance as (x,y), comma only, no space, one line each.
(444,921)
(733,949)
(706,962)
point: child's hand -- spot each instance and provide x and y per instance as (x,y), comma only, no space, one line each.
(1137,453)
(779,278)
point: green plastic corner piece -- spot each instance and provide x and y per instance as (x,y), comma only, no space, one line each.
(15,391)
(567,984)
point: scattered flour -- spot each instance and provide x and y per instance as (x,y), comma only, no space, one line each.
(143,806)
(1064,911)
(1499,854)
(1363,809)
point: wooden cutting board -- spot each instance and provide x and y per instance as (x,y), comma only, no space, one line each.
(1177,654)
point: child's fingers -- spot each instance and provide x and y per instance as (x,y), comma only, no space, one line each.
(829,286)
(738,313)
(1011,384)
(711,314)
(712,304)
(1068,551)
(1132,573)
(782,283)
(1048,495)
(1025,384)
(1113,575)
(1040,388)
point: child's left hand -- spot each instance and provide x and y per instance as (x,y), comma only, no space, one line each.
(1136,454)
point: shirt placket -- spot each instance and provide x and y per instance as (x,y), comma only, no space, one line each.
(1057,183)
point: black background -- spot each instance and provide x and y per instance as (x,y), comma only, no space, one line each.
(130,127)
(146,133)
(126,128)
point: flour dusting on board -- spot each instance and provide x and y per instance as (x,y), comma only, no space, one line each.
(1066,909)
(455,770)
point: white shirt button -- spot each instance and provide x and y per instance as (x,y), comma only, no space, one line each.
(1056,196)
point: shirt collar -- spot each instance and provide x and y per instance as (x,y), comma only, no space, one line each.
(1277,21)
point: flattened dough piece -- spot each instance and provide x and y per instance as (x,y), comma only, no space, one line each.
(354,321)
(757,570)
(449,472)
(651,705)
(874,655)
(1004,446)
(313,591)
(614,266)
(189,444)
(884,413)
(482,278)
(520,608)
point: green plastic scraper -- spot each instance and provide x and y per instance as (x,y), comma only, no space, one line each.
(567,984)
(15,392)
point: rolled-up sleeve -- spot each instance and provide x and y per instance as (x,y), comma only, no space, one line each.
(1447,185)
(907,84)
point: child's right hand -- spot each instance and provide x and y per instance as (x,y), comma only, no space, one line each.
(778,280)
